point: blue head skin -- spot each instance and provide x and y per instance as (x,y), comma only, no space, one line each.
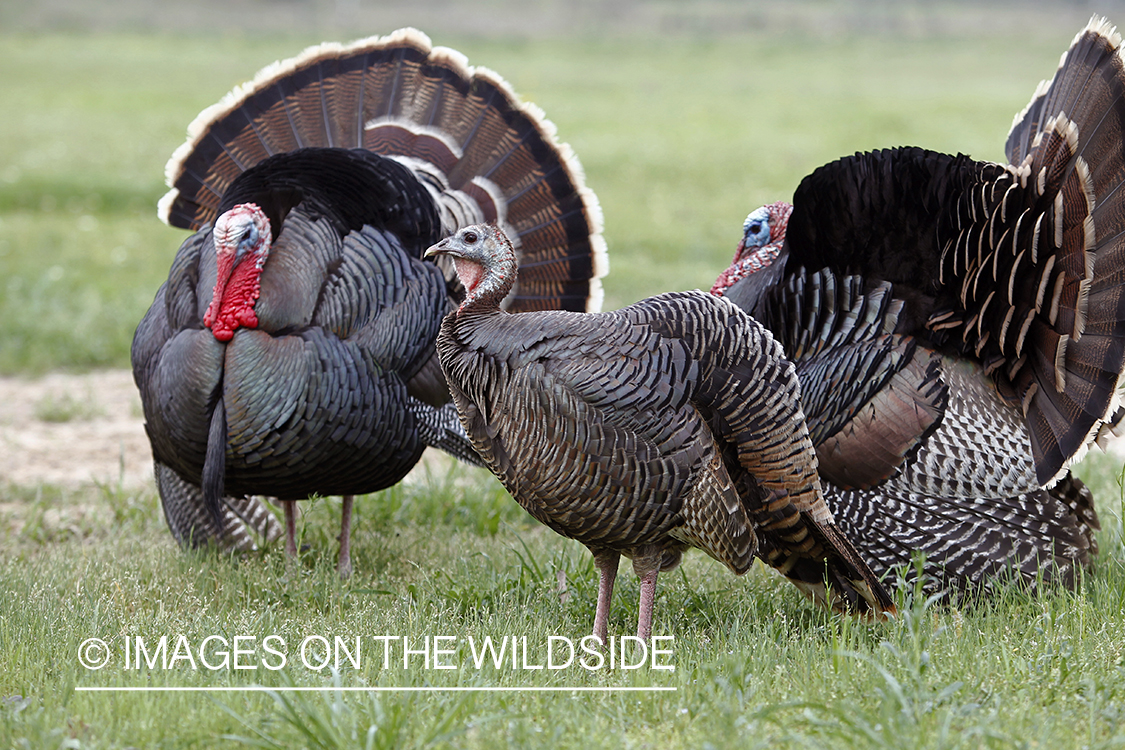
(763,234)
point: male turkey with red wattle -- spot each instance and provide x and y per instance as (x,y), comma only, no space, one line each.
(291,351)
(959,330)
(672,423)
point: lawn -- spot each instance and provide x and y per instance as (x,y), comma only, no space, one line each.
(451,557)
(680,137)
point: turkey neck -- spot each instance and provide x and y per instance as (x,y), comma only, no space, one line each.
(486,285)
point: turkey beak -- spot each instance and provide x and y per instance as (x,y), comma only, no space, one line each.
(438,249)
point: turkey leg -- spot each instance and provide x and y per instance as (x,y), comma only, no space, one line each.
(290,508)
(606,562)
(344,566)
(646,565)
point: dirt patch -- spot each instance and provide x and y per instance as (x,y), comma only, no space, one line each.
(73,430)
(77,430)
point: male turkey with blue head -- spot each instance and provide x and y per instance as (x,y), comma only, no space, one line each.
(959,330)
(672,423)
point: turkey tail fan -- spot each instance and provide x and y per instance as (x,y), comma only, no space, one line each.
(1086,84)
(192,524)
(483,154)
(1033,256)
(970,544)
(1069,144)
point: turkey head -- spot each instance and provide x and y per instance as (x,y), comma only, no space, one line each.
(242,244)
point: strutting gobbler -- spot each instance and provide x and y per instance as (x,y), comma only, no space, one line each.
(291,350)
(959,330)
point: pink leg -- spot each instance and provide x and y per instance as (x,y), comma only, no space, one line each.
(646,564)
(606,562)
(648,595)
(290,507)
(344,566)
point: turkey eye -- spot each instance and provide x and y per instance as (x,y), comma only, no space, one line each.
(246,235)
(470,237)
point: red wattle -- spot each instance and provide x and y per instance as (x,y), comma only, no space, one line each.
(223,263)
(233,302)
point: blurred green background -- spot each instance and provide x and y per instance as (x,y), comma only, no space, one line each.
(686,115)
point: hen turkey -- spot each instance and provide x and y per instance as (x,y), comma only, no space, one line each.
(670,424)
(291,350)
(959,327)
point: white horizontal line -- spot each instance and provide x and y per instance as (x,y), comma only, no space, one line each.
(264,689)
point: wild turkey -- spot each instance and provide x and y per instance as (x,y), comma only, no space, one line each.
(291,350)
(672,423)
(959,327)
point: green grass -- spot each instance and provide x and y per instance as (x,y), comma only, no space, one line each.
(680,137)
(755,664)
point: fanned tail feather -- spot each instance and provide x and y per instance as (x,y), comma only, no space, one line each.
(483,154)
(1069,143)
